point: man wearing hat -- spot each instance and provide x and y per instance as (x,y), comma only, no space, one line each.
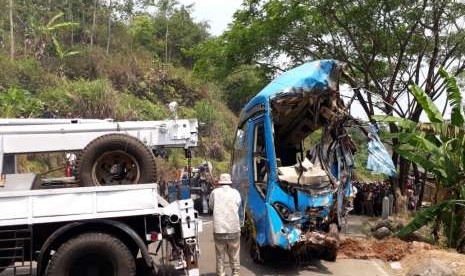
(225,202)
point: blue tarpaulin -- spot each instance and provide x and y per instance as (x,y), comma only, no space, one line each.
(379,159)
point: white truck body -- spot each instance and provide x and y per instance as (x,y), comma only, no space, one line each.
(22,207)
(50,135)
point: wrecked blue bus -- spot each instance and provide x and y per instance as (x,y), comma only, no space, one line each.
(293,197)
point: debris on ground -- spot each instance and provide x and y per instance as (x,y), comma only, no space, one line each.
(431,267)
(382,233)
(403,256)
(396,265)
(390,249)
(392,225)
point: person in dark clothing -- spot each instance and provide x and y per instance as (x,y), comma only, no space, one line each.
(47,113)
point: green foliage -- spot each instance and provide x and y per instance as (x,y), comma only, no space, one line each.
(142,31)
(427,215)
(26,74)
(134,108)
(50,31)
(434,115)
(59,100)
(242,85)
(95,99)
(438,147)
(170,33)
(454,97)
(204,111)
(16,102)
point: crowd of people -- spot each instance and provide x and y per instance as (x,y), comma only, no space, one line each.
(369,197)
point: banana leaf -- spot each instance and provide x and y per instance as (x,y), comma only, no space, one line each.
(454,97)
(402,122)
(431,110)
(426,216)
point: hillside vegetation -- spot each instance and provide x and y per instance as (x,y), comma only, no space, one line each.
(109,59)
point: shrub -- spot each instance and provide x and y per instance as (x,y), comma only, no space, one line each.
(204,111)
(16,102)
(94,99)
(25,74)
(133,108)
(59,100)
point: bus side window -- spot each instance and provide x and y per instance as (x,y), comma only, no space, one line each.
(239,162)
(260,159)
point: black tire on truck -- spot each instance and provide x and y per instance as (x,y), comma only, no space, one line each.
(115,159)
(96,254)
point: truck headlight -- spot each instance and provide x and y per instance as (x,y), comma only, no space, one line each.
(286,213)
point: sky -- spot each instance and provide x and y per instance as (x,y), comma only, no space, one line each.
(218,13)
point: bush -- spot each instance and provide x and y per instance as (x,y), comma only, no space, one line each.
(25,74)
(94,99)
(16,102)
(133,108)
(204,111)
(59,100)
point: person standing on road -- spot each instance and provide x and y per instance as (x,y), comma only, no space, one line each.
(225,202)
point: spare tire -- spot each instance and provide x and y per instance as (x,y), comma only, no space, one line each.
(115,159)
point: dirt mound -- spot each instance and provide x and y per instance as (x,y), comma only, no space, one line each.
(391,249)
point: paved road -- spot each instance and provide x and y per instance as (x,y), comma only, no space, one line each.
(342,267)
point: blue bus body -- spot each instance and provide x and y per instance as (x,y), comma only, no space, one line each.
(269,165)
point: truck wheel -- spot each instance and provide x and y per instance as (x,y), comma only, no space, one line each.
(115,159)
(95,254)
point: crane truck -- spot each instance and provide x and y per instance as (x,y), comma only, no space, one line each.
(99,222)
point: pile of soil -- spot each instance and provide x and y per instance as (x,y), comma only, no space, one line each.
(391,249)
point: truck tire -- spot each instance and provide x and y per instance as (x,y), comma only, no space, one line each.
(92,254)
(115,159)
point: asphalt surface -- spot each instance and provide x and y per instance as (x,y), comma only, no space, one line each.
(207,263)
(343,267)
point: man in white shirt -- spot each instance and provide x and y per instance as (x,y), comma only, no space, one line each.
(225,202)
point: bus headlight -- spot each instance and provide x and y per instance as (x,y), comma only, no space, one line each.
(286,213)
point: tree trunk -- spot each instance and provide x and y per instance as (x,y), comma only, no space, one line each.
(422,189)
(92,32)
(12,33)
(460,243)
(109,26)
(71,18)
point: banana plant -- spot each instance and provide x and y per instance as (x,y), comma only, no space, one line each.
(439,147)
(49,32)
